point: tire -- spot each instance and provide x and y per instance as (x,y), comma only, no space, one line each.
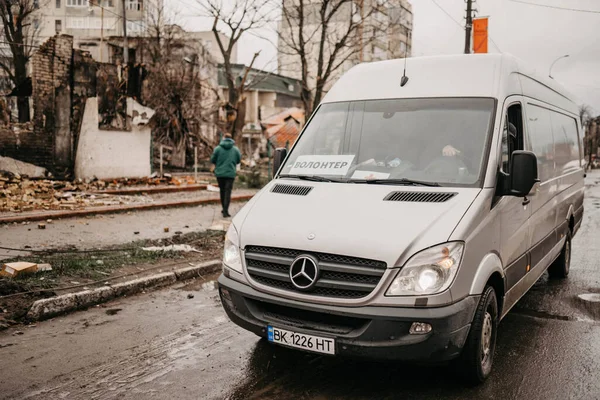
(475,361)
(559,269)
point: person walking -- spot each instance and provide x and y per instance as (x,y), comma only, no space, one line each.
(226,157)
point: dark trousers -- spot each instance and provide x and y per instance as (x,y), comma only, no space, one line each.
(225,186)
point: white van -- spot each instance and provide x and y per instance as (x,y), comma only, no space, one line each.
(412,213)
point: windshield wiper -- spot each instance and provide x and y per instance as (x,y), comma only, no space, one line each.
(312,178)
(402,181)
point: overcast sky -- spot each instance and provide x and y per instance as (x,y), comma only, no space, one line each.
(535,34)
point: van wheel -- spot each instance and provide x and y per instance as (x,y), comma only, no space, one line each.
(475,361)
(559,269)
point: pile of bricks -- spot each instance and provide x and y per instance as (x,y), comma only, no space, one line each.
(19,194)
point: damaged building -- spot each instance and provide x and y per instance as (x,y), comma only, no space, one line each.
(62,84)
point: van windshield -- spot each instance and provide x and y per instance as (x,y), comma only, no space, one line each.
(439,141)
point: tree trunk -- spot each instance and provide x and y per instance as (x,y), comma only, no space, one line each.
(240,118)
(23,107)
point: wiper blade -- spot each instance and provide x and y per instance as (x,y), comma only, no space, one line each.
(312,178)
(402,181)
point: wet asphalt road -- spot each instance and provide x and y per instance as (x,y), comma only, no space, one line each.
(163,345)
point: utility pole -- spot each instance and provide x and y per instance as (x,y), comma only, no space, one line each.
(125,44)
(468,26)
(361,30)
(101,34)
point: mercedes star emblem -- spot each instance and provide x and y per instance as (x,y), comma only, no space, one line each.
(304,272)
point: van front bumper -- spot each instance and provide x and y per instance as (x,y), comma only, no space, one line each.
(369,331)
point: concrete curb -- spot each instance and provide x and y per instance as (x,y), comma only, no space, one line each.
(53,306)
(117,209)
(156,189)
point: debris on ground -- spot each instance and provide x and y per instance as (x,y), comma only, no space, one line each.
(173,247)
(44,267)
(18,268)
(212,188)
(19,193)
(190,296)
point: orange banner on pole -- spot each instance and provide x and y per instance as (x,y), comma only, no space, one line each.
(480,35)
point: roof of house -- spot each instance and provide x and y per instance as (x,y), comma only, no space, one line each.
(263,80)
(280,118)
(285,134)
(283,128)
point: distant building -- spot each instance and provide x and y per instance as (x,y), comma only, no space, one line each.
(387,35)
(268,94)
(210,44)
(89,19)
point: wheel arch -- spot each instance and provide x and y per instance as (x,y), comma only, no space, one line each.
(490,272)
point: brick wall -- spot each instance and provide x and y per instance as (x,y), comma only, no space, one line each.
(47,141)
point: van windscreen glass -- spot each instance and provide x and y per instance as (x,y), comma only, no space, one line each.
(439,141)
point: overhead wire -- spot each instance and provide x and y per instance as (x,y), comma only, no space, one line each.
(556,7)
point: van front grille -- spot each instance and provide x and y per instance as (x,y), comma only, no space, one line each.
(340,276)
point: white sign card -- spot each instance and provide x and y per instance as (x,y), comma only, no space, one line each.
(322,165)
(370,175)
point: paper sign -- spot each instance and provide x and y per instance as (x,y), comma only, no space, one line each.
(370,175)
(322,165)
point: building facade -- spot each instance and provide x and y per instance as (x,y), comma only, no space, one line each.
(85,19)
(385,34)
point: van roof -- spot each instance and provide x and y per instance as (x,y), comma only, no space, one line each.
(466,75)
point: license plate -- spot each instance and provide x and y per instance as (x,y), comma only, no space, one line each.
(301,340)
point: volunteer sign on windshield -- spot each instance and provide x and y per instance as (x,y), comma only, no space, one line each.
(322,165)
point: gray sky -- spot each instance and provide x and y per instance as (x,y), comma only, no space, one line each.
(537,35)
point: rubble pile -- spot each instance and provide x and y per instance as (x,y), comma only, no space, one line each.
(18,194)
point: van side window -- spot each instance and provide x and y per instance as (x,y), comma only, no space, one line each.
(512,135)
(541,141)
(566,143)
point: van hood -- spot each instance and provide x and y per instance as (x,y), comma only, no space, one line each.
(351,219)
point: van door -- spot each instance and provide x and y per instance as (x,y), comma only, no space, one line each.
(540,140)
(514,212)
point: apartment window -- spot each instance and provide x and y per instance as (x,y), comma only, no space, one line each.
(57,3)
(77,3)
(77,23)
(108,3)
(58,25)
(36,4)
(134,5)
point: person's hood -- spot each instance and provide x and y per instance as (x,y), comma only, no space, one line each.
(352,219)
(227,143)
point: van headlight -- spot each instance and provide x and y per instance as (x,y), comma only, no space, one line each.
(231,251)
(430,271)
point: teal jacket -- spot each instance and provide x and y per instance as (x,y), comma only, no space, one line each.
(226,157)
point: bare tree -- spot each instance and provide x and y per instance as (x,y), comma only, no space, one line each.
(19,33)
(330,31)
(181,83)
(585,114)
(236,19)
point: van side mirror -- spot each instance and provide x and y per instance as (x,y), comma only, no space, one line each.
(524,173)
(278,158)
